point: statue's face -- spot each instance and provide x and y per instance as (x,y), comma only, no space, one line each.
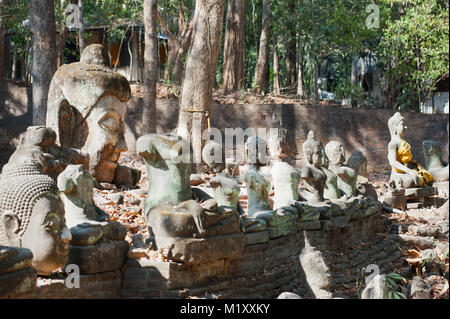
(106,140)
(47,235)
(401,128)
(337,155)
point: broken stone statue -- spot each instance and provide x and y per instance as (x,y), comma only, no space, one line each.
(39,145)
(184,229)
(358,162)
(32,216)
(87,108)
(97,244)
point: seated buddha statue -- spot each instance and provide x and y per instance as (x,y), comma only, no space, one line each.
(405,173)
(433,162)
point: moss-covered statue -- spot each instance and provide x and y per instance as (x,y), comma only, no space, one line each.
(87,108)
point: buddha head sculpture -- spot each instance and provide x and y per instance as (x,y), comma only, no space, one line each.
(313,152)
(396,125)
(335,152)
(256,151)
(358,162)
(87,109)
(32,216)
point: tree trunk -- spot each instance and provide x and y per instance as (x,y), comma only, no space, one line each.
(196,95)
(291,47)
(81,40)
(2,49)
(363,72)
(276,71)
(43,29)
(300,88)
(150,66)
(178,45)
(233,53)
(354,77)
(262,65)
(61,44)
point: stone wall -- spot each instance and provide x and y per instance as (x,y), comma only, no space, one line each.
(262,271)
(265,270)
(99,286)
(357,128)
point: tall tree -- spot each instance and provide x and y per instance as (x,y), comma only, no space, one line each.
(196,95)
(42,23)
(291,46)
(81,40)
(2,46)
(63,35)
(150,65)
(233,53)
(178,44)
(262,65)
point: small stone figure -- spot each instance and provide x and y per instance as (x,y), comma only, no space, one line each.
(279,145)
(358,162)
(405,173)
(190,231)
(258,187)
(92,234)
(346,175)
(433,162)
(285,179)
(32,216)
(87,109)
(312,173)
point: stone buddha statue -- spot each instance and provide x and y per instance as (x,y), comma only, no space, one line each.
(278,141)
(178,221)
(433,161)
(39,145)
(93,234)
(87,109)
(405,173)
(312,173)
(32,216)
(358,162)
(346,175)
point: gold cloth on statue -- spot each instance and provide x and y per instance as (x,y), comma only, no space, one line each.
(404,156)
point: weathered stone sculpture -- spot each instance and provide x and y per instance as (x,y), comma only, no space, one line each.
(258,187)
(346,175)
(358,162)
(32,216)
(192,233)
(97,244)
(316,271)
(279,145)
(405,173)
(87,109)
(39,145)
(312,173)
(433,161)
(16,274)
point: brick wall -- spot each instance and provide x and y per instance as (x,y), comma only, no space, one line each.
(361,129)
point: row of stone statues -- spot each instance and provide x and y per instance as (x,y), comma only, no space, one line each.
(46,188)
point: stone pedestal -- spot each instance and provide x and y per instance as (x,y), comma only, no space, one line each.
(16,274)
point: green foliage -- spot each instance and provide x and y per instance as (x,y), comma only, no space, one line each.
(393,281)
(414,49)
